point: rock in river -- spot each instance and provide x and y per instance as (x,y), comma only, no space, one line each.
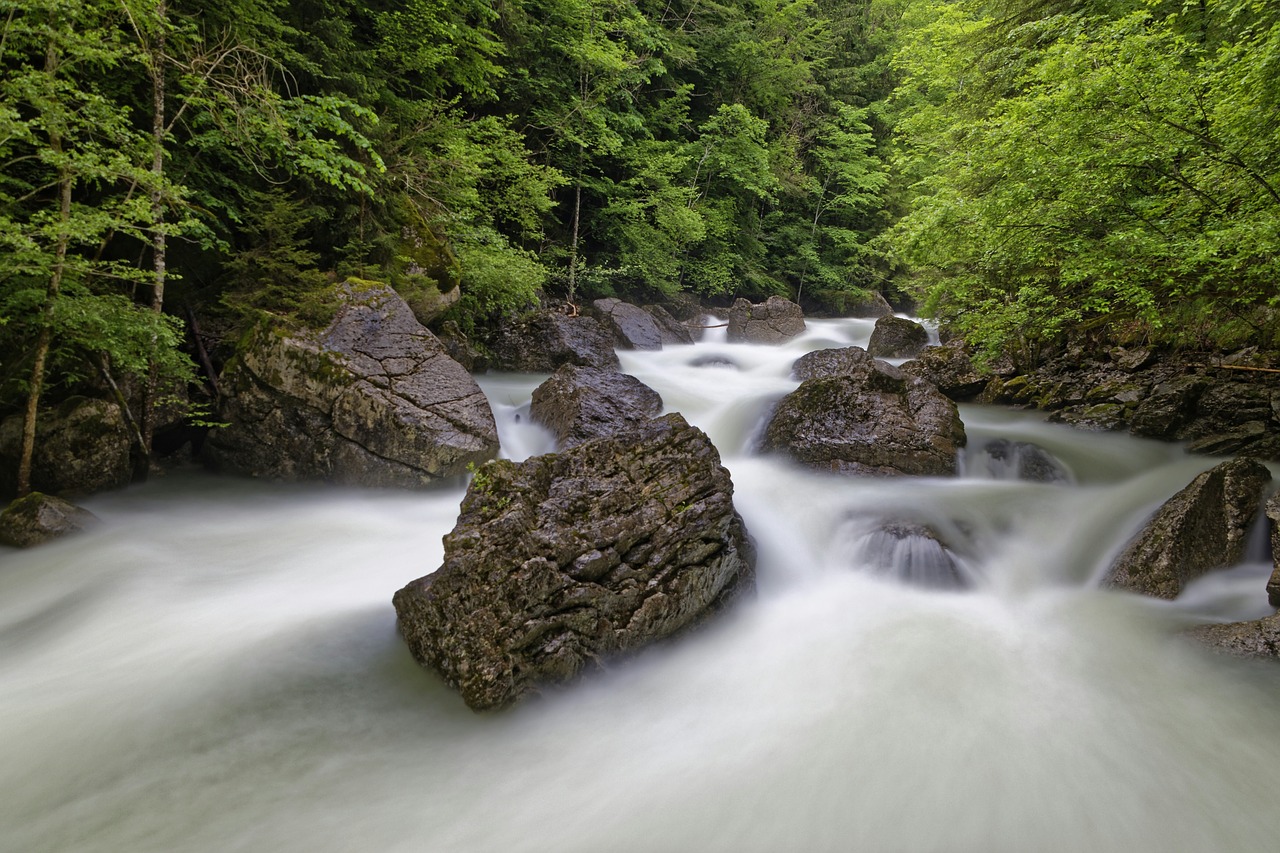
(582,403)
(770,322)
(567,558)
(1199,529)
(874,419)
(38,518)
(370,400)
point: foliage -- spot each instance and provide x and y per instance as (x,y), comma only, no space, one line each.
(1120,166)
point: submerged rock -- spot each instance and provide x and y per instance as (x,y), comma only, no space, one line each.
(542,341)
(770,322)
(1201,528)
(872,420)
(370,400)
(38,518)
(568,558)
(1259,638)
(1004,459)
(897,337)
(582,403)
(910,552)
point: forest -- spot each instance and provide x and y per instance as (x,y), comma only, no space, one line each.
(1023,171)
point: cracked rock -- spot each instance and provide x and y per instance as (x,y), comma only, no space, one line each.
(565,559)
(371,400)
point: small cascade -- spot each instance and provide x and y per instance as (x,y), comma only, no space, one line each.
(1006,459)
(906,551)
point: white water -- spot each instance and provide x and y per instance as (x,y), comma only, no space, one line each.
(216,669)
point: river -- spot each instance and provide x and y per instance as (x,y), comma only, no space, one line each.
(216,668)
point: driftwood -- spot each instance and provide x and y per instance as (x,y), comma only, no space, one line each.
(1245,367)
(211,375)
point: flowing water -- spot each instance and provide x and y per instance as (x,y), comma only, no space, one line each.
(216,668)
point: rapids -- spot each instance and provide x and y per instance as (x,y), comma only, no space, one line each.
(216,668)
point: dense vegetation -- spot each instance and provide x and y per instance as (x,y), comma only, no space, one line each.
(1028,168)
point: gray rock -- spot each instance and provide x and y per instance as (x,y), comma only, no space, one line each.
(543,341)
(770,322)
(568,558)
(38,518)
(1259,638)
(1273,518)
(1199,529)
(873,420)
(82,447)
(371,400)
(897,337)
(673,331)
(632,326)
(583,403)
(1022,460)
(873,306)
(1168,407)
(950,369)
(840,361)
(910,552)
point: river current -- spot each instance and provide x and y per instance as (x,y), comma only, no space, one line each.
(216,668)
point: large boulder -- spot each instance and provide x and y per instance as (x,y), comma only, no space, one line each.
(1201,528)
(897,337)
(544,340)
(37,518)
(582,403)
(873,420)
(1259,638)
(632,326)
(82,446)
(371,400)
(951,369)
(571,557)
(770,322)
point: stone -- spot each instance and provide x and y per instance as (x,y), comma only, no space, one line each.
(567,559)
(875,420)
(835,361)
(543,341)
(950,369)
(38,518)
(632,326)
(771,322)
(1201,528)
(370,400)
(82,446)
(1022,460)
(897,337)
(911,552)
(583,403)
(1259,638)
(874,305)
(1273,522)
(673,331)
(1168,406)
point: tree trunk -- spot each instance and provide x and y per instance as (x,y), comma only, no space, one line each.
(45,339)
(159,244)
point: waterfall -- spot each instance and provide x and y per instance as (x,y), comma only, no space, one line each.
(216,667)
